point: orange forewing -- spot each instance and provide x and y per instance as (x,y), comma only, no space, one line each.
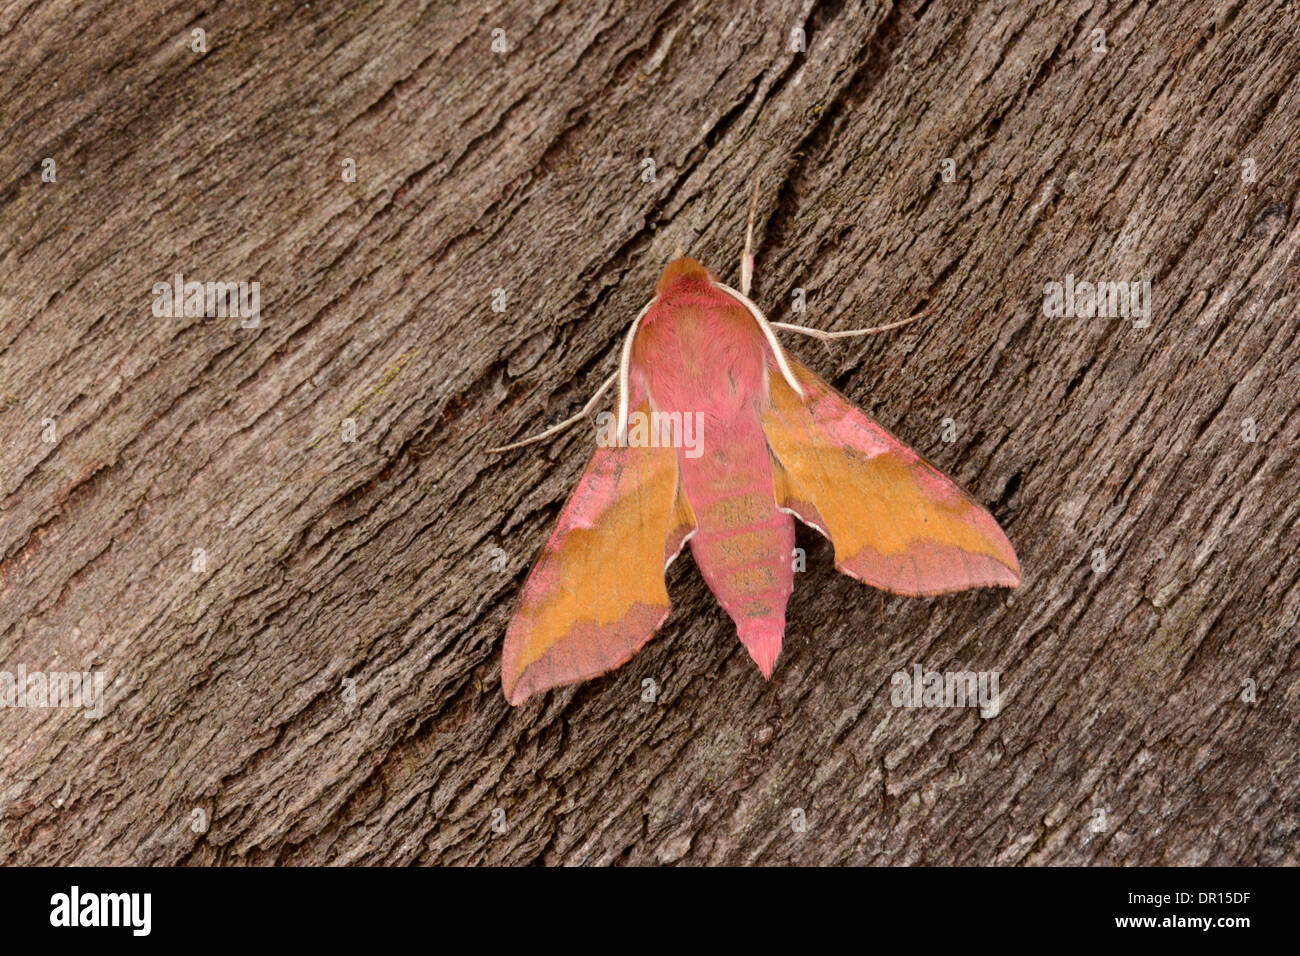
(597,594)
(897,523)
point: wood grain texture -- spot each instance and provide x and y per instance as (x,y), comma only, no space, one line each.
(370,564)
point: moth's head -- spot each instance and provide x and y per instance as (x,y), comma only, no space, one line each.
(679,270)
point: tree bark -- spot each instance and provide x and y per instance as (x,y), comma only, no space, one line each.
(301,634)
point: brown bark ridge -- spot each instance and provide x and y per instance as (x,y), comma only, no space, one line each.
(301,635)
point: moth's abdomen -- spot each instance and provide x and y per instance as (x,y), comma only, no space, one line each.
(743,543)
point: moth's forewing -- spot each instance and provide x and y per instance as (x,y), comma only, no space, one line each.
(897,522)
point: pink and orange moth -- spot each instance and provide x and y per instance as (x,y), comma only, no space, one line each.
(776,443)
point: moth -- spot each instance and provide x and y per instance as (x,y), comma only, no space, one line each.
(774,443)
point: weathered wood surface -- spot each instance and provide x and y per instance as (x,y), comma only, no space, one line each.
(373,561)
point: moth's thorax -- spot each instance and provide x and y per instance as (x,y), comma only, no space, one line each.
(698,349)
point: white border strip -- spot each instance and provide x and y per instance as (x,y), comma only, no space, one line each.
(623,364)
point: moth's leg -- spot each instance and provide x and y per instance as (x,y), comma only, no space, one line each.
(555,429)
(747,258)
(849,333)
